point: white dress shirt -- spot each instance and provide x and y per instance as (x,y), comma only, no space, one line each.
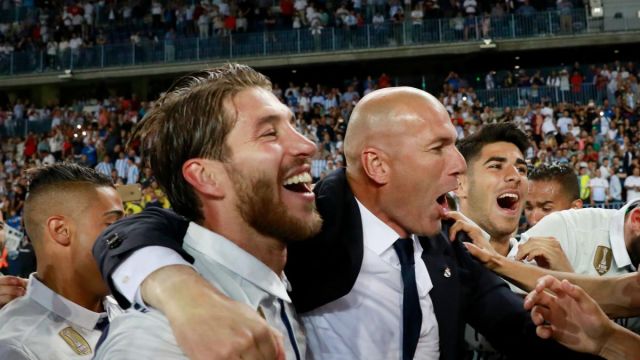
(367,322)
(44,325)
(236,273)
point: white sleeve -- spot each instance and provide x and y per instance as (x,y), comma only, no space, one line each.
(129,275)
(135,336)
(554,225)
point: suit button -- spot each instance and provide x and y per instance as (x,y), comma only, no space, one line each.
(113,241)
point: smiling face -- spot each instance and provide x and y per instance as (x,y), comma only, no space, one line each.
(268,168)
(492,192)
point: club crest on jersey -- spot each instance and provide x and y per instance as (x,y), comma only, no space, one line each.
(602,260)
(75,341)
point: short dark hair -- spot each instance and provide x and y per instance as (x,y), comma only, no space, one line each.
(563,174)
(62,174)
(190,121)
(471,146)
(55,178)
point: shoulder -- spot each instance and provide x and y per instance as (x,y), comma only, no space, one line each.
(18,321)
(11,349)
(135,335)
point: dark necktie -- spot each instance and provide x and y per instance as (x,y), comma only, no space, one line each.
(103,326)
(287,324)
(411,313)
(102,323)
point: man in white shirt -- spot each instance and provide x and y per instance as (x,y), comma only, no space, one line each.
(599,190)
(632,184)
(245,186)
(595,241)
(564,121)
(64,310)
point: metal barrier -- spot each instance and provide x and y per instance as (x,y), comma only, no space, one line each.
(289,42)
(610,205)
(516,97)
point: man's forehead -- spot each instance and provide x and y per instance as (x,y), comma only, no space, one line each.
(543,187)
(255,104)
(501,149)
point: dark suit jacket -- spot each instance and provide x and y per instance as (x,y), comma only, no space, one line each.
(325,268)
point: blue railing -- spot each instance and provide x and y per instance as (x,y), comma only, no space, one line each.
(300,41)
(514,97)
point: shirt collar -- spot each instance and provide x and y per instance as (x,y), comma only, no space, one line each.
(238,261)
(616,235)
(59,305)
(377,235)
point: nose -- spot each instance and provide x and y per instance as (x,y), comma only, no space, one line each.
(299,145)
(512,174)
(535,216)
(457,163)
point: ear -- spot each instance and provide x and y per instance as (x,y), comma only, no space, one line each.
(204,175)
(375,165)
(462,190)
(58,228)
(634,220)
(577,204)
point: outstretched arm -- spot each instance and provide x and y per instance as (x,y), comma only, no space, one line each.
(618,296)
(574,319)
(207,324)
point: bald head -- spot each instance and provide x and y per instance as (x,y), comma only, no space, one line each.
(382,117)
(402,159)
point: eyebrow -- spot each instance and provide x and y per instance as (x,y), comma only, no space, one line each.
(267,119)
(496,158)
(118,213)
(538,203)
(501,159)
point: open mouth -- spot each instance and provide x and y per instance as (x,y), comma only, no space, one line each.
(442,201)
(508,201)
(300,183)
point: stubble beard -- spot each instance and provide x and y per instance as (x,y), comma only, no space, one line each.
(263,211)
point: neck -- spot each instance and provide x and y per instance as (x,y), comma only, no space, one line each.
(66,285)
(501,244)
(271,252)
(370,198)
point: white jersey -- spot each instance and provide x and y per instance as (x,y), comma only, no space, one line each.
(236,273)
(592,239)
(46,326)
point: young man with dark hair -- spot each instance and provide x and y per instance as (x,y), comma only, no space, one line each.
(552,187)
(493,190)
(64,309)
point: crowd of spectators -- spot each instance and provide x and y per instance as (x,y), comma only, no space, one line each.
(60,28)
(599,140)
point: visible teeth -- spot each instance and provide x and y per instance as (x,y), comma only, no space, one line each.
(510,195)
(297,179)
